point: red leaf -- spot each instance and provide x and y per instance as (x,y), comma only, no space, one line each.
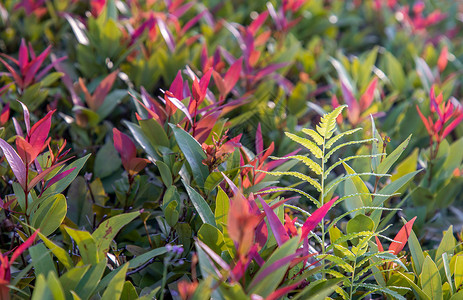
(137,164)
(125,147)
(443,59)
(379,245)
(368,96)
(279,232)
(452,125)
(23,247)
(5,114)
(425,121)
(316,217)
(39,132)
(232,75)
(220,83)
(283,291)
(102,90)
(402,237)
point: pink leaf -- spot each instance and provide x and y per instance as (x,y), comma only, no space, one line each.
(316,217)
(176,88)
(353,106)
(283,291)
(368,96)
(452,125)
(273,267)
(192,22)
(268,70)
(13,73)
(23,58)
(278,229)
(16,164)
(258,22)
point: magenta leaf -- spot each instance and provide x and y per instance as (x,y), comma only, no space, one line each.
(368,96)
(34,66)
(258,22)
(281,236)
(166,34)
(176,88)
(349,99)
(316,217)
(23,58)
(283,291)
(59,176)
(16,164)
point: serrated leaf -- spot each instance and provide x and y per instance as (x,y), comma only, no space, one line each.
(304,177)
(311,146)
(314,135)
(336,138)
(328,122)
(305,160)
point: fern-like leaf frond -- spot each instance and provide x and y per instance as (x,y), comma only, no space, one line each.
(305,160)
(328,122)
(345,177)
(336,138)
(311,146)
(328,171)
(327,156)
(308,179)
(287,189)
(314,135)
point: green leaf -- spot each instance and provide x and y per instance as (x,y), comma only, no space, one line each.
(50,214)
(129,292)
(271,281)
(319,290)
(71,278)
(154,132)
(447,245)
(387,163)
(420,292)
(327,124)
(355,185)
(86,243)
(116,285)
(88,283)
(406,166)
(143,258)
(458,274)
(448,274)
(59,252)
(166,175)
(222,205)
(106,154)
(66,181)
(41,290)
(416,251)
(212,237)
(395,71)
(50,79)
(336,138)
(305,160)
(393,187)
(360,223)
(171,213)
(194,154)
(111,101)
(42,264)
(108,230)
(377,147)
(457,296)
(200,205)
(430,279)
(142,140)
(55,286)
